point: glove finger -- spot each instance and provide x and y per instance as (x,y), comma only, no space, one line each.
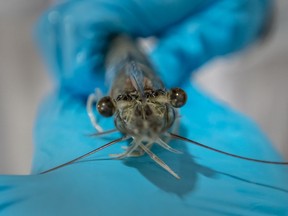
(73,35)
(225,27)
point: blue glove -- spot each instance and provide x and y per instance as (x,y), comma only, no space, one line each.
(74,34)
(211,183)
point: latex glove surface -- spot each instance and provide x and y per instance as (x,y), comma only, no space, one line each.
(211,183)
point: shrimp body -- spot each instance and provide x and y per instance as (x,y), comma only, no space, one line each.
(141,102)
(143,109)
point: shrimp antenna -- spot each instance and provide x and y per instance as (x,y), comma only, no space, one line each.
(175,136)
(102,133)
(88,154)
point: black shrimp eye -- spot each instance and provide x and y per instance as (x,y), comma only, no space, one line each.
(106,106)
(178,97)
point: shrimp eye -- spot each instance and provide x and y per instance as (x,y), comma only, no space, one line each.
(178,97)
(106,106)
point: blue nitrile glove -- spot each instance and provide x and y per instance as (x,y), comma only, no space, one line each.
(211,183)
(74,34)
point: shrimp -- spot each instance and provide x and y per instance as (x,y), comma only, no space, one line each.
(144,111)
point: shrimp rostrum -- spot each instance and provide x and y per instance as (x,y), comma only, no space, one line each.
(144,111)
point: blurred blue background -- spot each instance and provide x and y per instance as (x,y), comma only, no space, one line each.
(253,82)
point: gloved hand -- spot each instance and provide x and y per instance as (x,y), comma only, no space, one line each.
(211,183)
(73,35)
